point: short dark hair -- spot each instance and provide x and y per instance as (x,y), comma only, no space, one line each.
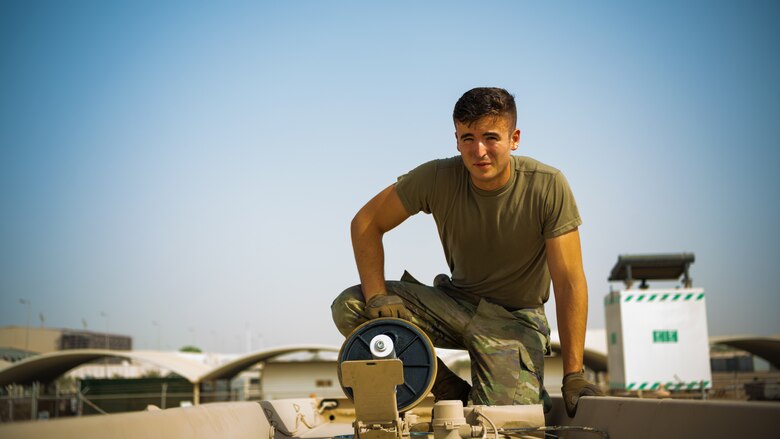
(485,101)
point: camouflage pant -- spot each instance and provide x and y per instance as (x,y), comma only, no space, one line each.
(506,348)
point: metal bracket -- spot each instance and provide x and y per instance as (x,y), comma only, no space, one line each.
(373,385)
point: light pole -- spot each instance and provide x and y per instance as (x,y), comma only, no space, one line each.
(157,324)
(27,337)
(248,335)
(105,315)
(105,360)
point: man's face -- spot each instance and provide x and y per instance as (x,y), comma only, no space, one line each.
(485,146)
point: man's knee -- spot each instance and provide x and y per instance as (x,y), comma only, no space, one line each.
(507,371)
(347,310)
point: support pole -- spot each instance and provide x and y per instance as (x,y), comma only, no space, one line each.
(687,281)
(196,393)
(81,402)
(163,395)
(34,400)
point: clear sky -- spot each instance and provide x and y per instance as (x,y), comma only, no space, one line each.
(196,164)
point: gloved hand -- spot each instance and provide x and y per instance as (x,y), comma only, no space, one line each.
(383,305)
(574,386)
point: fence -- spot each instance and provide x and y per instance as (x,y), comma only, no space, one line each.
(108,396)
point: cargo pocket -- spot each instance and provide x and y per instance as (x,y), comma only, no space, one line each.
(529,381)
(495,369)
(496,365)
(507,357)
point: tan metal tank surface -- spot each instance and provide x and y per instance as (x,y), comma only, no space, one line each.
(621,418)
(373,382)
(635,418)
(237,420)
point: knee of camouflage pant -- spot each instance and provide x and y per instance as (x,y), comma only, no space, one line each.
(530,386)
(506,382)
(347,310)
(507,357)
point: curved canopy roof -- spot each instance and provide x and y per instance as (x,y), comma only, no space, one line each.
(47,367)
(233,368)
(767,348)
(594,355)
(592,358)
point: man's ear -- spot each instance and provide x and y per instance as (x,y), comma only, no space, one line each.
(515,139)
(457,144)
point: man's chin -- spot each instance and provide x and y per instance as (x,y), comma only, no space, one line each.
(481,179)
(481,173)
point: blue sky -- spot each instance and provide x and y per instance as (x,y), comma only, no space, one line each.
(197,164)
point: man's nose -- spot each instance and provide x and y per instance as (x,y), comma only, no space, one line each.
(480,150)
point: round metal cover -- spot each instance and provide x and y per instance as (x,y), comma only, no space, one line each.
(412,347)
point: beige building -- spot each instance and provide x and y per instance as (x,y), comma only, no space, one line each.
(296,379)
(32,339)
(43,340)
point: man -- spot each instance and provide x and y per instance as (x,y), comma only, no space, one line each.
(508,226)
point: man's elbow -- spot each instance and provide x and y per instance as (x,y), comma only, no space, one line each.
(361,225)
(571,288)
(356,225)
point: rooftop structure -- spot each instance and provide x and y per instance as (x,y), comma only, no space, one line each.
(43,340)
(671,266)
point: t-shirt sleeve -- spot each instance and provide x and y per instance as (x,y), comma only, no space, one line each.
(416,188)
(560,209)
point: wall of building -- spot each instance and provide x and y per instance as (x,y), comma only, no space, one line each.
(297,379)
(94,340)
(32,339)
(120,368)
(43,340)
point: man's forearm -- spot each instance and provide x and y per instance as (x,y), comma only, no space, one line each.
(380,215)
(572,312)
(369,258)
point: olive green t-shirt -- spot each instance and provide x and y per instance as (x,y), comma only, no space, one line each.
(494,241)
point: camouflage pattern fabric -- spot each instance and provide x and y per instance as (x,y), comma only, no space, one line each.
(506,348)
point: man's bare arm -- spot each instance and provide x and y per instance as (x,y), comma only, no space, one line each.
(564,260)
(380,215)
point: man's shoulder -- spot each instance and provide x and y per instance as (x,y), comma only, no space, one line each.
(530,165)
(432,173)
(444,165)
(429,185)
(449,163)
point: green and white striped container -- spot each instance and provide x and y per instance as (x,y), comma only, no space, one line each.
(641,296)
(671,385)
(657,339)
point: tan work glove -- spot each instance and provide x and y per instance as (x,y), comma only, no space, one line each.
(383,305)
(574,386)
